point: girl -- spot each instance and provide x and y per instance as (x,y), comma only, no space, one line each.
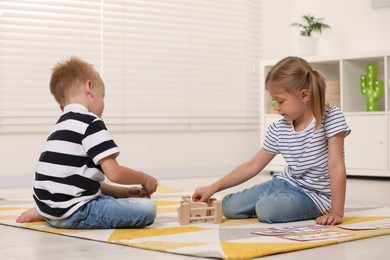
(310,136)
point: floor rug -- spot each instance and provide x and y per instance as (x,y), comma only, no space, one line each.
(232,239)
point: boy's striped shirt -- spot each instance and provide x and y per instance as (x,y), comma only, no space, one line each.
(68,173)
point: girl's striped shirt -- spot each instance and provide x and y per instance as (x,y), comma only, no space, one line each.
(306,153)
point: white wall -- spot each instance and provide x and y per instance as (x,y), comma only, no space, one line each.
(161,154)
(356,27)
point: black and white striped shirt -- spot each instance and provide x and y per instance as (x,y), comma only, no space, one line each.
(68,173)
(306,153)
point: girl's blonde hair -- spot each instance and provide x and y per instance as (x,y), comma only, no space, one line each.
(294,74)
(67,77)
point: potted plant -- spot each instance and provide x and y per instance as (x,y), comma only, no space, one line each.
(311,24)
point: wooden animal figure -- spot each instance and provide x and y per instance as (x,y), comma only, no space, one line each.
(190,211)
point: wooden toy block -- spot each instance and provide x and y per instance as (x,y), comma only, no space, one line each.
(190,211)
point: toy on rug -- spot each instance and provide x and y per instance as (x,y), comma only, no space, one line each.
(190,211)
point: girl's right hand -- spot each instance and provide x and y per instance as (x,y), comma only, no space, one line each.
(202,193)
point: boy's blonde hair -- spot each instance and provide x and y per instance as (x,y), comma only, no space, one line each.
(67,77)
(294,74)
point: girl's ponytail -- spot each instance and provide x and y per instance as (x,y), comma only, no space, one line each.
(317,95)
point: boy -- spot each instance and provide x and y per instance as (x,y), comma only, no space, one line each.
(68,190)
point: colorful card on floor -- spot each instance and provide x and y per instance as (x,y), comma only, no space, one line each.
(290,230)
(315,236)
(369,225)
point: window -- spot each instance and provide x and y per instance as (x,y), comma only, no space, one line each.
(167,64)
(34,36)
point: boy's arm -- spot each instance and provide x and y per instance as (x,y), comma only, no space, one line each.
(111,190)
(124,175)
(121,192)
(337,174)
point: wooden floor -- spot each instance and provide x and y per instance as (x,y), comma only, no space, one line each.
(16,243)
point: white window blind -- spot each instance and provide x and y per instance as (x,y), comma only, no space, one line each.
(34,36)
(167,64)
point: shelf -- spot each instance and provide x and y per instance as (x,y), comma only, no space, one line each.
(352,70)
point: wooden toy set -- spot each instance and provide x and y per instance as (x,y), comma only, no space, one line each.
(190,211)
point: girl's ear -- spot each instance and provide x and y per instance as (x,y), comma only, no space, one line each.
(305,95)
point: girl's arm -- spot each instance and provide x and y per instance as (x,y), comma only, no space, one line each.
(239,175)
(337,173)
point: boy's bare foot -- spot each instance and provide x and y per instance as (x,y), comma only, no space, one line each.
(30,215)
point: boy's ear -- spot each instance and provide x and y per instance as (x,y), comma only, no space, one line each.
(305,95)
(88,87)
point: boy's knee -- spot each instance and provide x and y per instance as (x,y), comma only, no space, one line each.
(149,211)
(150,206)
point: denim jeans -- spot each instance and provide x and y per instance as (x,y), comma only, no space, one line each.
(106,212)
(273,201)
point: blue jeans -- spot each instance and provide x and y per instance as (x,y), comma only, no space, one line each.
(273,201)
(106,212)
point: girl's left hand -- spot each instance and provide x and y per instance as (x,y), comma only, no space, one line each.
(329,219)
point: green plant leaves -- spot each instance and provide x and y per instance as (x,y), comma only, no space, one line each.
(311,25)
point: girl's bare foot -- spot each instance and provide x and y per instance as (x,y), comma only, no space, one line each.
(30,215)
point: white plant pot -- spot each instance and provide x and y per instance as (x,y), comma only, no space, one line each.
(307,45)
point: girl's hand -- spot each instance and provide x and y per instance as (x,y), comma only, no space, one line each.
(329,219)
(202,193)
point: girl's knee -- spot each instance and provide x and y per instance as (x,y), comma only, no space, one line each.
(232,209)
(273,209)
(267,215)
(281,207)
(227,210)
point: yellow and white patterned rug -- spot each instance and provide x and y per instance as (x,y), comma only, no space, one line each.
(232,239)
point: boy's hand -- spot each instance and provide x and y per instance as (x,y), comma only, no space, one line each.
(135,192)
(150,185)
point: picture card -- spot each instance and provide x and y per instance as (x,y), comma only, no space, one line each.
(315,236)
(276,231)
(368,225)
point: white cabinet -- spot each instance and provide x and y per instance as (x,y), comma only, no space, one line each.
(367,148)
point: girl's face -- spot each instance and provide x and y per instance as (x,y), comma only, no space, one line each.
(291,106)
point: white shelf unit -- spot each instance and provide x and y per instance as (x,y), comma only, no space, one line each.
(367,151)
